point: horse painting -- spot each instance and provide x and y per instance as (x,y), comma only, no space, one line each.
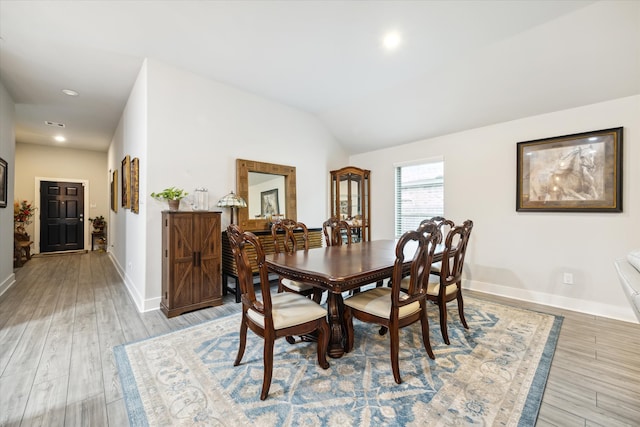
(567,174)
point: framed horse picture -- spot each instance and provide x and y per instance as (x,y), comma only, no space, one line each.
(572,173)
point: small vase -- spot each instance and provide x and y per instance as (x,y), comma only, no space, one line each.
(174,205)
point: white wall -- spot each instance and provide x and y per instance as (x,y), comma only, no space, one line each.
(7,153)
(523,255)
(128,233)
(195,130)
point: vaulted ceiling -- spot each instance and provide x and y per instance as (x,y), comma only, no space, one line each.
(460,64)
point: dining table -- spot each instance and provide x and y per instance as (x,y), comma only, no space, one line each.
(338,269)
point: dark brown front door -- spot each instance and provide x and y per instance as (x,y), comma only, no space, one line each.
(61,216)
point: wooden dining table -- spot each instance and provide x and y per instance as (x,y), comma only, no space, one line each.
(338,269)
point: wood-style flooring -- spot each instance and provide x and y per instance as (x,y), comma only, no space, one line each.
(60,321)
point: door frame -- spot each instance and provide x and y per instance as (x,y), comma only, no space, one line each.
(36,231)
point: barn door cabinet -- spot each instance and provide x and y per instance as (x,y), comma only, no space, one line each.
(191,259)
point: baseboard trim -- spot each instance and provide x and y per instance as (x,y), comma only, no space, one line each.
(578,305)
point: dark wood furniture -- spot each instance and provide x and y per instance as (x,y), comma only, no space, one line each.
(449,285)
(338,269)
(336,232)
(98,237)
(190,261)
(391,308)
(229,268)
(285,240)
(351,199)
(272,316)
(21,248)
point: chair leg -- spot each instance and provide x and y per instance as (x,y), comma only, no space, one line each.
(268,366)
(424,322)
(394,338)
(442,305)
(238,291)
(243,340)
(461,308)
(317,296)
(323,343)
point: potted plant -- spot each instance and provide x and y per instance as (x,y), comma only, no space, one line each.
(172,195)
(98,223)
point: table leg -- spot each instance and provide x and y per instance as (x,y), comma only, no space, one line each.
(335,305)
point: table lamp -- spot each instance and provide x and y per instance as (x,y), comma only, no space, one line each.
(233,201)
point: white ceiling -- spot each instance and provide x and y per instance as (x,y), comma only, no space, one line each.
(462,64)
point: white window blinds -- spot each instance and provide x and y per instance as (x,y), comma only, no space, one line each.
(419,194)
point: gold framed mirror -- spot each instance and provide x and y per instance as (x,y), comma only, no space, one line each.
(265,177)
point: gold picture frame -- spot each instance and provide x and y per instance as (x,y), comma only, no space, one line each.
(581,172)
(126,182)
(135,185)
(114,191)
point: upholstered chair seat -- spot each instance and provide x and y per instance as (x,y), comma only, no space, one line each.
(289,309)
(295,286)
(377,301)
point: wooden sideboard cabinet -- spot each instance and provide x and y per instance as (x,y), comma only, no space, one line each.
(191,261)
(229,267)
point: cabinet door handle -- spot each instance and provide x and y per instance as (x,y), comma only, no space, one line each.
(195,259)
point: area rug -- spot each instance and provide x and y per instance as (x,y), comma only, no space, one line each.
(492,374)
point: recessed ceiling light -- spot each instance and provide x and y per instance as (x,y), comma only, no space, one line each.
(70,92)
(60,138)
(392,40)
(49,123)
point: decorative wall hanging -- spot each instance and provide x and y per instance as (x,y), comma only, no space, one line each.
(114,191)
(3,183)
(270,204)
(572,173)
(135,185)
(126,182)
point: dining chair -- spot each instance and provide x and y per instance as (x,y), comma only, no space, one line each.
(334,229)
(289,243)
(338,232)
(272,316)
(447,286)
(444,225)
(393,308)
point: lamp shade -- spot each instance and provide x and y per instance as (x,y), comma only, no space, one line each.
(232,200)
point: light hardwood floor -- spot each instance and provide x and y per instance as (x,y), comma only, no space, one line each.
(60,321)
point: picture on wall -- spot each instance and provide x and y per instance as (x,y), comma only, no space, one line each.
(269,205)
(3,183)
(573,173)
(135,185)
(126,182)
(114,191)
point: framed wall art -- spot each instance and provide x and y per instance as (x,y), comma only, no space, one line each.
(3,183)
(114,191)
(135,185)
(572,173)
(126,182)
(269,203)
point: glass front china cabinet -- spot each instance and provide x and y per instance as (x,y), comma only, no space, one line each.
(351,200)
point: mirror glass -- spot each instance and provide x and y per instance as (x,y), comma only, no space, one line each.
(269,190)
(266,195)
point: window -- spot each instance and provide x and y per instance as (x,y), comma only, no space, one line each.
(419,193)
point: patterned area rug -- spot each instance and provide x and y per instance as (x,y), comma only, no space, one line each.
(492,374)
